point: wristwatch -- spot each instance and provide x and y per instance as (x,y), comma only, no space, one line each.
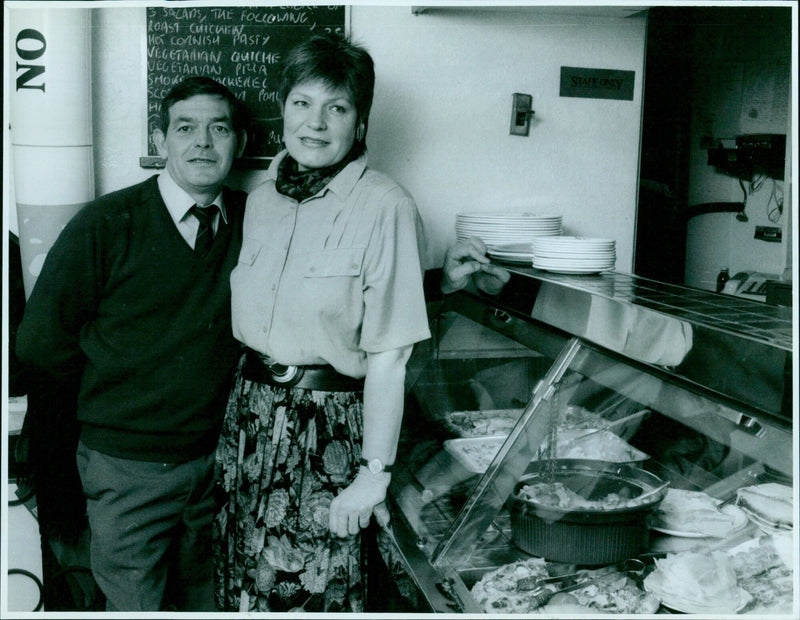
(375,466)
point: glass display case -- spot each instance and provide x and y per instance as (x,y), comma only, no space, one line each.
(638,380)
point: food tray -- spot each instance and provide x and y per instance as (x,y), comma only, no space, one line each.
(490,422)
(475,453)
(602,446)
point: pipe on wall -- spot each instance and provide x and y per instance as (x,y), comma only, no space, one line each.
(51,125)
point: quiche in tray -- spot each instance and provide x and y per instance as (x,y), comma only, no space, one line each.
(514,588)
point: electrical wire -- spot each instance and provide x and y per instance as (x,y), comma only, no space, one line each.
(775,213)
(757,182)
(742,216)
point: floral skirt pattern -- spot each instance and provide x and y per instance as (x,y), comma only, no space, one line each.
(283,455)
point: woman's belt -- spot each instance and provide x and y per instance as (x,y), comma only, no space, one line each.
(313,377)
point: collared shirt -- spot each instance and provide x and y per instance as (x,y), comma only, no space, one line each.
(333,277)
(178,204)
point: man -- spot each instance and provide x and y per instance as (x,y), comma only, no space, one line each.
(133,304)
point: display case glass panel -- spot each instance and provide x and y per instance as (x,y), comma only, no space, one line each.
(502,402)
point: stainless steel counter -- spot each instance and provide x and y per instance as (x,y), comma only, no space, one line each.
(744,318)
(737,348)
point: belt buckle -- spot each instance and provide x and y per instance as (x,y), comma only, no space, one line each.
(289,377)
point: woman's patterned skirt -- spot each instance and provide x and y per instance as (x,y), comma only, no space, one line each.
(283,455)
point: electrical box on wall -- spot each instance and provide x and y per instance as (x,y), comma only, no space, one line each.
(754,154)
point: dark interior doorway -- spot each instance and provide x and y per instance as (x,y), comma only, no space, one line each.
(664,167)
(677,46)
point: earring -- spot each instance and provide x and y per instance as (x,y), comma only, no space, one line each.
(360,132)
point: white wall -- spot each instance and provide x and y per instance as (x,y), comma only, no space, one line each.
(442,110)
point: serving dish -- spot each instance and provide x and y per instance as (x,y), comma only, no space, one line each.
(476,452)
(585,536)
(602,445)
(740,524)
(686,608)
(478,423)
(697,581)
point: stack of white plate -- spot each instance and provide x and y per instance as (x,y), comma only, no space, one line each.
(516,253)
(564,254)
(501,228)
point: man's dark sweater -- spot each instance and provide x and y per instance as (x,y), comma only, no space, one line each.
(126,306)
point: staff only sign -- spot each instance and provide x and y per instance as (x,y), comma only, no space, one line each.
(597,83)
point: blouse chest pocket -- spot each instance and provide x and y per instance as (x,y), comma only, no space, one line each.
(332,263)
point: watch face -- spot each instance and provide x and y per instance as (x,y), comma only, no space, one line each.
(375,465)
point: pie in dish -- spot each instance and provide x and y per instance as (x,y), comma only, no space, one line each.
(768,504)
(694,513)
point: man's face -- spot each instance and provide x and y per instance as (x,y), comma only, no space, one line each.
(200,145)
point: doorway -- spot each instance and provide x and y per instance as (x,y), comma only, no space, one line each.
(692,106)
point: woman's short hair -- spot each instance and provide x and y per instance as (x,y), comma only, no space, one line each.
(337,61)
(199,85)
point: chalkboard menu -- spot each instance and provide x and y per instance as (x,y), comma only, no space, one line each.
(240,47)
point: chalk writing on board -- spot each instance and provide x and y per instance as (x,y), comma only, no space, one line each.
(240,47)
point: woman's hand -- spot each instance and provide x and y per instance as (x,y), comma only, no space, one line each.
(384,391)
(351,510)
(467,259)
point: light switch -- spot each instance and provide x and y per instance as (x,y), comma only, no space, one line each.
(521,114)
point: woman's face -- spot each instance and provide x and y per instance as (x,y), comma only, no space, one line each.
(319,124)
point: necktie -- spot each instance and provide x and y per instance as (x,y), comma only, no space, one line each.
(205,230)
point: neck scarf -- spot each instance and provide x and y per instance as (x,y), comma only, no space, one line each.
(302,184)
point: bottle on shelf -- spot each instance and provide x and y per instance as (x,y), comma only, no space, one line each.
(723,276)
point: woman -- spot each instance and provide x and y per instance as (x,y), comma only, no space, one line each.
(328,298)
